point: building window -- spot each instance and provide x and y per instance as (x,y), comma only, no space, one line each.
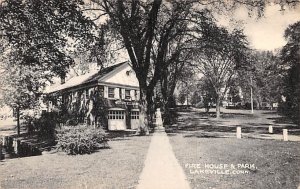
(111,92)
(135,115)
(135,95)
(116,114)
(101,91)
(127,94)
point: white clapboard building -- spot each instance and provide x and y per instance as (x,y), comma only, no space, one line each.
(110,94)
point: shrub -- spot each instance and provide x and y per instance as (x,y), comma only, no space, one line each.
(80,139)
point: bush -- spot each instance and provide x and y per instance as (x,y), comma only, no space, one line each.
(80,139)
(46,124)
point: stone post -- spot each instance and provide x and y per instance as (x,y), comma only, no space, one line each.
(285,135)
(270,129)
(238,132)
(16,145)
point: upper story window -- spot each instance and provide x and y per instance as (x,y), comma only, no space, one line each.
(135,95)
(101,91)
(120,93)
(111,92)
(127,94)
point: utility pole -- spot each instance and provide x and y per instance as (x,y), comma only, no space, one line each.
(251,95)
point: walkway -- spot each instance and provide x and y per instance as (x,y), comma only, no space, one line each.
(162,170)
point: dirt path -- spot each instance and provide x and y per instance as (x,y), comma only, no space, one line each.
(162,170)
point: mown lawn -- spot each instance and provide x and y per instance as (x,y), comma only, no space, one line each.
(277,163)
(117,167)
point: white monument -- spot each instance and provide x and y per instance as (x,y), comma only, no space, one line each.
(158,120)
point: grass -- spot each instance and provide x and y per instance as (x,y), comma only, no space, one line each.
(277,162)
(117,167)
(198,139)
(258,122)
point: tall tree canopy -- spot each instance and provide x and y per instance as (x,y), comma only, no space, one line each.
(156,34)
(221,53)
(43,33)
(152,33)
(290,56)
(266,78)
(38,37)
(148,28)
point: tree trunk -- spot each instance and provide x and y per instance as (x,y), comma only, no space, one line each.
(143,118)
(18,120)
(298,92)
(257,103)
(218,112)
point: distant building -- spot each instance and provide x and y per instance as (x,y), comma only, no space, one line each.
(107,98)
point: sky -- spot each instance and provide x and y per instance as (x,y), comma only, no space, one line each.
(265,33)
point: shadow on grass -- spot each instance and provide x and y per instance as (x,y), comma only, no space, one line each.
(206,115)
(281,120)
(118,135)
(123,135)
(269,112)
(207,135)
(258,125)
(204,125)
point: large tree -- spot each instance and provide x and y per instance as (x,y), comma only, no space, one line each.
(221,53)
(37,39)
(20,88)
(264,77)
(43,33)
(146,28)
(290,56)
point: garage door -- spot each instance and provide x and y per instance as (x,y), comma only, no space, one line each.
(116,119)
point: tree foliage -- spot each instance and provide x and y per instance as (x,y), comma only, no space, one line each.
(149,31)
(157,35)
(221,53)
(290,56)
(38,37)
(267,78)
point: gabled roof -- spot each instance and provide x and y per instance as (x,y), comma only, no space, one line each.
(85,79)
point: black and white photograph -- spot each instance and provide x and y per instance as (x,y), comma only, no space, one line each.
(149,94)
